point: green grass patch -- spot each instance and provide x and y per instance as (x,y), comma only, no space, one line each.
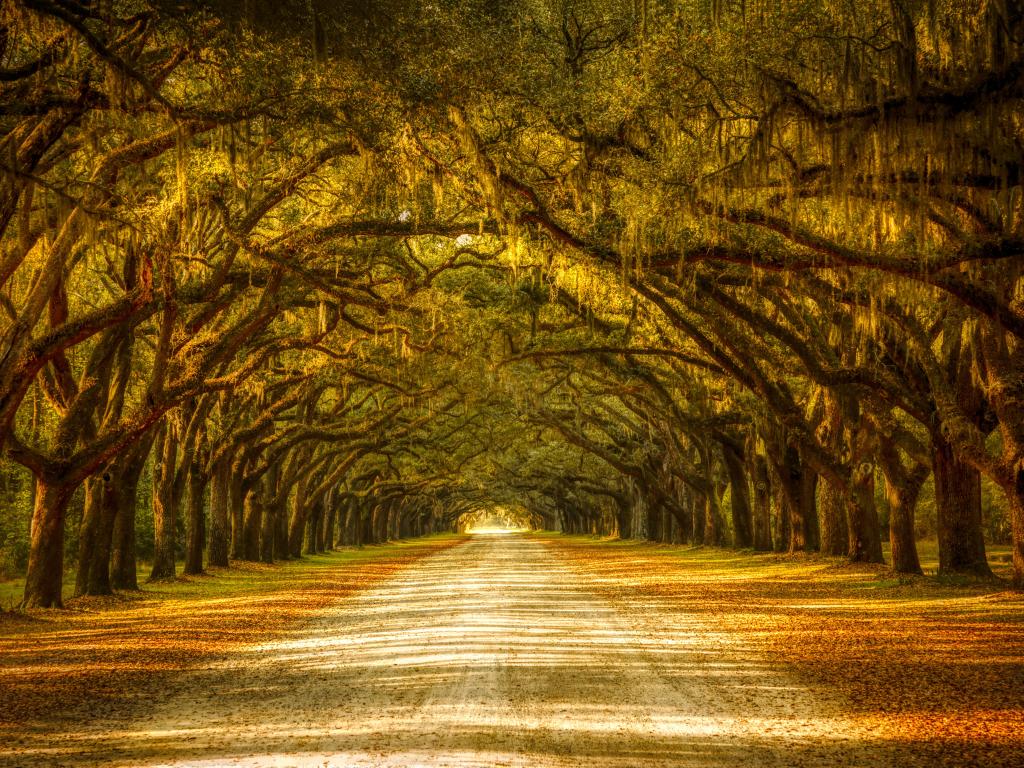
(241,577)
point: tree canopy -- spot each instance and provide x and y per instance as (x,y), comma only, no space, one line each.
(736,273)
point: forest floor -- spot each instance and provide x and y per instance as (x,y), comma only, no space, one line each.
(526,650)
(933,666)
(108,656)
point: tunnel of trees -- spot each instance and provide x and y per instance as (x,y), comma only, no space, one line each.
(281,276)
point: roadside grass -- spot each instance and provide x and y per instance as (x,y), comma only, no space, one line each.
(102,651)
(999,560)
(239,578)
(927,660)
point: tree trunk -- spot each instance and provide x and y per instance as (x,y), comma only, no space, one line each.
(864,530)
(123,568)
(237,497)
(280,516)
(742,524)
(220,516)
(832,508)
(99,569)
(762,515)
(164,508)
(359,522)
(783,527)
(329,524)
(88,533)
(809,508)
(714,526)
(319,540)
(313,528)
(902,488)
(958,504)
(381,532)
(93,577)
(394,523)
(1003,364)
(297,523)
(902,545)
(653,522)
(374,524)
(46,554)
(1015,496)
(686,509)
(345,527)
(269,547)
(624,519)
(252,523)
(196,540)
(790,473)
(700,519)
(268,530)
(834,535)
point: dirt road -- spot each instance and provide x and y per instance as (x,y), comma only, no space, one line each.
(491,653)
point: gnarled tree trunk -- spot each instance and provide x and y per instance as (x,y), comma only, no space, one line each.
(46,554)
(742,523)
(863,528)
(196,539)
(165,512)
(832,513)
(123,568)
(958,506)
(762,514)
(220,514)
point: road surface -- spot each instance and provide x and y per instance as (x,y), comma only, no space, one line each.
(490,653)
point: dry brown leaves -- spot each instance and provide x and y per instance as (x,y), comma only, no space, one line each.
(101,652)
(939,668)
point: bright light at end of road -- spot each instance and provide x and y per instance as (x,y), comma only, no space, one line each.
(489,530)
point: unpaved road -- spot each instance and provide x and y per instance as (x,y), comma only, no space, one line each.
(491,653)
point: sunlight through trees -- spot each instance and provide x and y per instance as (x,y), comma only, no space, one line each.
(278,277)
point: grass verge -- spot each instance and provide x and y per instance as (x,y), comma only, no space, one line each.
(99,652)
(931,664)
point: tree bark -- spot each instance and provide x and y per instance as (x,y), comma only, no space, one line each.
(236,505)
(123,568)
(902,544)
(99,570)
(297,522)
(196,541)
(809,508)
(89,532)
(902,488)
(834,535)
(267,531)
(93,576)
(783,521)
(700,519)
(790,472)
(220,516)
(742,524)
(714,526)
(271,514)
(329,522)
(832,512)
(45,575)
(252,523)
(958,504)
(165,512)
(280,534)
(762,515)
(863,528)
(1015,495)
